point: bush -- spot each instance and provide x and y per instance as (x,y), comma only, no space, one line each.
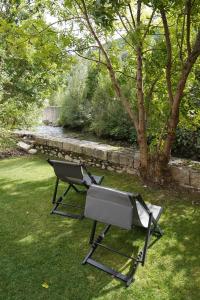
(75,109)
(187,144)
(14,114)
(6,139)
(109,118)
(89,104)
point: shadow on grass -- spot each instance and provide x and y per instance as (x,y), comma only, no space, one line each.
(180,251)
(41,248)
(38,248)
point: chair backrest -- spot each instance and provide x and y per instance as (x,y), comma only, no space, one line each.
(114,207)
(67,171)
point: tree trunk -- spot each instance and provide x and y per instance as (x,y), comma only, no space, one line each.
(174,117)
(152,167)
(142,140)
(158,169)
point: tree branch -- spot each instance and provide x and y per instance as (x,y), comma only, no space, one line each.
(182,38)
(149,24)
(89,58)
(126,75)
(139,6)
(174,117)
(132,17)
(83,48)
(127,20)
(125,40)
(44,29)
(124,25)
(116,86)
(169,54)
(177,39)
(150,95)
(188,23)
(142,138)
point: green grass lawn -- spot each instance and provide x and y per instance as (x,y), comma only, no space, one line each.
(37,248)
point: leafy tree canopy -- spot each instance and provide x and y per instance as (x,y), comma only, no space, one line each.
(32,55)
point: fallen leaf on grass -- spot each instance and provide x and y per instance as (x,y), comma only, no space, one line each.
(45,285)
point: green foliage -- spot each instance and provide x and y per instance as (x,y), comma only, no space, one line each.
(14,114)
(187,144)
(32,61)
(7,140)
(35,57)
(109,118)
(76,110)
(93,105)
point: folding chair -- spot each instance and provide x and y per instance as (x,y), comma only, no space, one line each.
(124,210)
(73,174)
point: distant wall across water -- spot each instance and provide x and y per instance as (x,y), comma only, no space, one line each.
(51,115)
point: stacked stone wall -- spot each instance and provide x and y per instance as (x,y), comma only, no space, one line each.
(185,173)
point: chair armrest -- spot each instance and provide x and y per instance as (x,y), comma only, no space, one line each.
(146,208)
(89,174)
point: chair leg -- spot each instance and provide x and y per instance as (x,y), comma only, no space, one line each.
(77,190)
(140,259)
(59,202)
(96,242)
(55,190)
(93,232)
(147,239)
(128,279)
(158,231)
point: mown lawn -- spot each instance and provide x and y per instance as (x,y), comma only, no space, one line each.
(41,254)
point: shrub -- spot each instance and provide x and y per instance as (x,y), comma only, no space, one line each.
(187,143)
(6,139)
(109,118)
(75,110)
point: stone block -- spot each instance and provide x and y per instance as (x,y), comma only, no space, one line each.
(123,159)
(77,161)
(177,161)
(88,148)
(68,158)
(119,171)
(131,171)
(32,151)
(72,145)
(60,155)
(136,164)
(136,160)
(101,154)
(40,140)
(195,179)
(126,159)
(113,157)
(180,175)
(56,143)
(24,146)
(110,168)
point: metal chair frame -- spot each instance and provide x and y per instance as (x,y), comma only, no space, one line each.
(153,229)
(59,201)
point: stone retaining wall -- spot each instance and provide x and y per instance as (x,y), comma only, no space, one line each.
(113,158)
